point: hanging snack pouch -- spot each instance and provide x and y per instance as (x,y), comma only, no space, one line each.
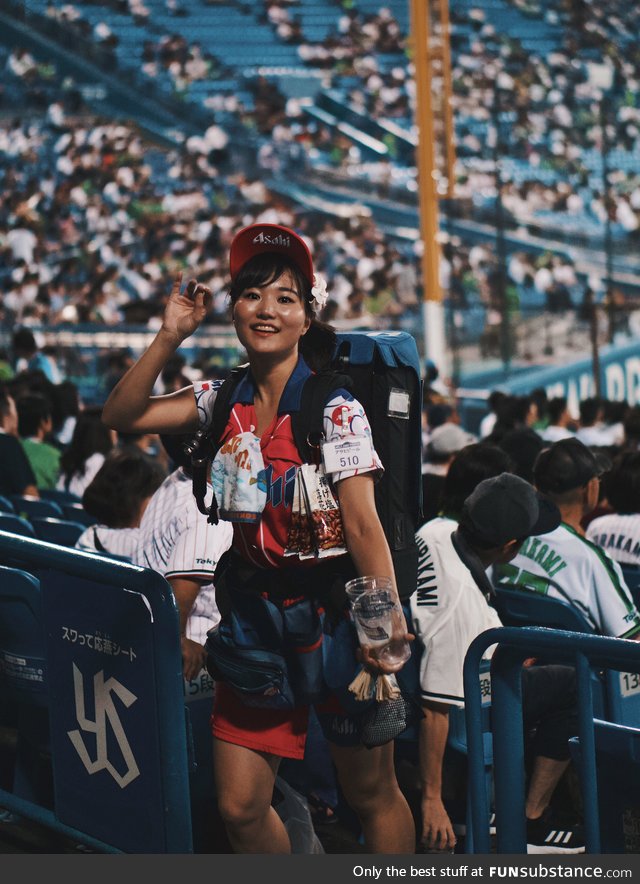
(324,511)
(300,539)
(238,479)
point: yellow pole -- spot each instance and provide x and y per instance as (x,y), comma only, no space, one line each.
(433,311)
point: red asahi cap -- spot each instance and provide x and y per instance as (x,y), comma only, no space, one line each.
(257,239)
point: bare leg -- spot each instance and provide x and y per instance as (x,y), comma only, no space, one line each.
(368,781)
(244,785)
(544,778)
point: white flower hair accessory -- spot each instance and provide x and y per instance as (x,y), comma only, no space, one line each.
(319,293)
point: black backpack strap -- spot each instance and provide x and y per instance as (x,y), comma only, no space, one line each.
(204,445)
(306,424)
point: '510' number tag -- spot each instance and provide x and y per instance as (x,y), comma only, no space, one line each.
(347,454)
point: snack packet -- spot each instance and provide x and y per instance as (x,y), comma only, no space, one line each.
(300,539)
(323,510)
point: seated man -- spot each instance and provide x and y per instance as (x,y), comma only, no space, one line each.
(16,474)
(34,428)
(173,538)
(449,609)
(563,563)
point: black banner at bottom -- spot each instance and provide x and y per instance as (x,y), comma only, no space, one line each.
(336,868)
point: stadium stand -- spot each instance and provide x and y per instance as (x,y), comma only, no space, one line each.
(136,137)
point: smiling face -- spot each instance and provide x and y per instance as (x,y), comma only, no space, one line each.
(270,319)
(269,313)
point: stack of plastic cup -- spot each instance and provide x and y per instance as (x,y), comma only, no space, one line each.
(379,619)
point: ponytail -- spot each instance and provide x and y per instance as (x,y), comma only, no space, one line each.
(318,345)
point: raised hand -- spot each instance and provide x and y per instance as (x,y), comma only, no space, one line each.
(185,310)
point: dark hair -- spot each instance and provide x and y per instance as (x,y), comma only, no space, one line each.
(556,408)
(5,401)
(589,410)
(541,400)
(318,345)
(621,483)
(632,425)
(90,436)
(615,411)
(65,402)
(438,414)
(523,445)
(511,413)
(496,397)
(565,466)
(32,410)
(120,487)
(23,341)
(470,466)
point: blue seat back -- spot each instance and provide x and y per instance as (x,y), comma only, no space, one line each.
(22,641)
(5,505)
(60,531)
(617,753)
(116,712)
(58,495)
(35,506)
(75,512)
(16,525)
(519,607)
(631,574)
(616,695)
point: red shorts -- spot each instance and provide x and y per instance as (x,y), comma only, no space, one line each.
(275,731)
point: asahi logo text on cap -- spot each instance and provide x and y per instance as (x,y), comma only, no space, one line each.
(279,240)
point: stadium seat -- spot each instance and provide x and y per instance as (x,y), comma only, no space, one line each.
(5,505)
(60,531)
(15,524)
(75,512)
(58,495)
(631,574)
(616,695)
(27,507)
(617,753)
(518,607)
(457,743)
(23,689)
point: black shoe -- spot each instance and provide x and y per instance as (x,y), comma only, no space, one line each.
(548,835)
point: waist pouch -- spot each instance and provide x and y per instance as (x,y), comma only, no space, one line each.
(258,676)
(278,652)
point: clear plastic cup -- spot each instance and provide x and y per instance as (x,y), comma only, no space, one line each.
(354,588)
(381,625)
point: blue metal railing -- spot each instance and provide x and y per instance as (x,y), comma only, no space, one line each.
(112,635)
(515,644)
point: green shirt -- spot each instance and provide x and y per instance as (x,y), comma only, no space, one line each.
(44,460)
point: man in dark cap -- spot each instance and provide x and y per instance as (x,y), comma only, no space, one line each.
(450,607)
(562,563)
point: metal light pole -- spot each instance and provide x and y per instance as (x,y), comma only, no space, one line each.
(608,242)
(432,306)
(501,245)
(601,77)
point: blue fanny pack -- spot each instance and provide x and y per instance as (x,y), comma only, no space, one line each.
(283,652)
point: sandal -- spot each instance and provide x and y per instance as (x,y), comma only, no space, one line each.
(321,812)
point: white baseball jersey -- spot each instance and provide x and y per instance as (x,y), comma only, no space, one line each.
(175,540)
(565,565)
(553,433)
(618,535)
(448,610)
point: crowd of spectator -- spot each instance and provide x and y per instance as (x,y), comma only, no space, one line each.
(127,215)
